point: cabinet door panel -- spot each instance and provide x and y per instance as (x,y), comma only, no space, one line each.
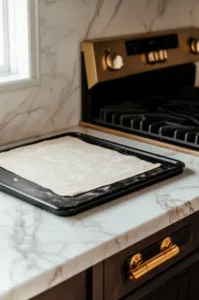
(133,298)
(194,282)
(183,286)
(168,291)
(72,289)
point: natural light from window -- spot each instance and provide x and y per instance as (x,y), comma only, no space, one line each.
(18,40)
(2,37)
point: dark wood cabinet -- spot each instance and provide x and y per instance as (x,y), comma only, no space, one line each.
(174,289)
(175,279)
(116,282)
(180,282)
(194,282)
(72,289)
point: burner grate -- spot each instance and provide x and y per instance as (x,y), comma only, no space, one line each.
(176,122)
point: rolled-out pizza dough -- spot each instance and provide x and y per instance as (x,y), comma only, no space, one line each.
(69,166)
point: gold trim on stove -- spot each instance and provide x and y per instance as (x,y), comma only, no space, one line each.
(95,55)
(139,138)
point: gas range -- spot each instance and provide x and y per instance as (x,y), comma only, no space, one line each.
(144,86)
(174,121)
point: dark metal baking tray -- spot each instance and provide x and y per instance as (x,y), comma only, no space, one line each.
(67,206)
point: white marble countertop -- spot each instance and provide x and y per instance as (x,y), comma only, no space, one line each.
(39,250)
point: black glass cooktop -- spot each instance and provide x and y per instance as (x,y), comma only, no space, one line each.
(170,116)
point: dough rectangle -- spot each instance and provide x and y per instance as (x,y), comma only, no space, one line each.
(69,166)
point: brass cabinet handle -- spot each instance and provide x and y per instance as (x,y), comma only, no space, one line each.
(138,268)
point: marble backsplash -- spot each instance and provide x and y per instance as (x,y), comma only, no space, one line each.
(55,104)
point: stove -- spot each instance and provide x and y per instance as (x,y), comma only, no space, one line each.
(143,87)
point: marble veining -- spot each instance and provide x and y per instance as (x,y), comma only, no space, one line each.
(55,104)
(40,250)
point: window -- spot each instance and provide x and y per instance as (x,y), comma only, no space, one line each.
(18,42)
(3,37)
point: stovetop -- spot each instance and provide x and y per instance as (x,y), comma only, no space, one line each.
(171,116)
(144,85)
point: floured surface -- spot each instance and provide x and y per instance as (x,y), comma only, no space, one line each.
(69,166)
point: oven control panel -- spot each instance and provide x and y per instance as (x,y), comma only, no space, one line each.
(151,44)
(154,48)
(108,59)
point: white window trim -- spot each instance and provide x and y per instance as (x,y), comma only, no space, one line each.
(5,68)
(13,81)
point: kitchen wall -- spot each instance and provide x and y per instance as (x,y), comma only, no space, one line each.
(55,104)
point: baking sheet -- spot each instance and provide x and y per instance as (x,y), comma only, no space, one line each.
(69,166)
(46,199)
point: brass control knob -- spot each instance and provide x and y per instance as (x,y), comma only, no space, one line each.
(154,57)
(114,61)
(194,45)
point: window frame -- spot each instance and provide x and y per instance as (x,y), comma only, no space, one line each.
(5,68)
(11,75)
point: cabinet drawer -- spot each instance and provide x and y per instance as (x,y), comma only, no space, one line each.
(184,234)
(179,282)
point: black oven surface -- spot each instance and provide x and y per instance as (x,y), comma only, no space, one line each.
(170,117)
(144,85)
(67,206)
(161,105)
